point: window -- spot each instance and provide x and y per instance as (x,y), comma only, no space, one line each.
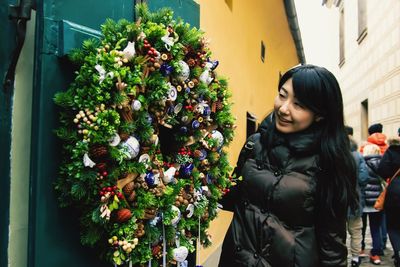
(364,119)
(362,20)
(262,51)
(341,37)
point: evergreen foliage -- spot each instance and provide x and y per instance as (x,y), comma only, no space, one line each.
(144,127)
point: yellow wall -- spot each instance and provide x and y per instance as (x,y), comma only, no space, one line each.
(235,30)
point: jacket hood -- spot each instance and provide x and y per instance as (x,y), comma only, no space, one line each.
(266,123)
(377,139)
(373,161)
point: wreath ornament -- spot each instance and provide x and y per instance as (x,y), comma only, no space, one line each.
(144,127)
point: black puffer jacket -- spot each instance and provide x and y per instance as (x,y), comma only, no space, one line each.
(275,221)
(388,166)
(374,185)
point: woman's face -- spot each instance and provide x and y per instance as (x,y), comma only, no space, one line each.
(291,115)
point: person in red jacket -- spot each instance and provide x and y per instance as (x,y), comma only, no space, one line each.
(376,137)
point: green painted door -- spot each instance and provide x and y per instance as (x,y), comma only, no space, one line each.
(60,26)
(7,29)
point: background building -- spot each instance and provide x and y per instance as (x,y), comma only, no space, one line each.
(369,61)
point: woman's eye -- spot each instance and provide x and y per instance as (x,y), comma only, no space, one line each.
(282,94)
(298,104)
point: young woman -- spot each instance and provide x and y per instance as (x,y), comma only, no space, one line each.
(299,178)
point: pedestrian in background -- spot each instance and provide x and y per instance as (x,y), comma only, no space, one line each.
(299,178)
(354,220)
(372,190)
(388,166)
(376,137)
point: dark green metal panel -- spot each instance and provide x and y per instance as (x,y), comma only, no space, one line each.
(7,29)
(61,26)
(71,35)
(188,10)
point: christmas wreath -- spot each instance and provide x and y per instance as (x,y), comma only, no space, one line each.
(144,127)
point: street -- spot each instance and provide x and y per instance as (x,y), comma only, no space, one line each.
(387,260)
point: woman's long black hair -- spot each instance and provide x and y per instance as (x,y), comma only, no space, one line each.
(318,90)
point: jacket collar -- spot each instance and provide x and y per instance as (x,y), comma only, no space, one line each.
(303,142)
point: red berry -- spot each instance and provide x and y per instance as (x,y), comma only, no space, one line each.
(109,189)
(112,193)
(105,173)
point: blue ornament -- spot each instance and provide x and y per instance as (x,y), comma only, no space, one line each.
(149,118)
(215,64)
(150,179)
(171,109)
(166,69)
(207,111)
(187,90)
(209,179)
(195,124)
(203,154)
(187,169)
(183,129)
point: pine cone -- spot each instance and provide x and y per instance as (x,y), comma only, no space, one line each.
(220,105)
(213,107)
(139,232)
(191,62)
(197,153)
(98,152)
(132,196)
(124,136)
(126,114)
(128,188)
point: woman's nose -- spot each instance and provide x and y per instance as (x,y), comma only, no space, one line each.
(284,109)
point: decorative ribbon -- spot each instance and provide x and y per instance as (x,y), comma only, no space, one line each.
(198,247)
(150,258)
(177,243)
(164,243)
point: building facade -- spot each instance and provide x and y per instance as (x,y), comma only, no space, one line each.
(369,64)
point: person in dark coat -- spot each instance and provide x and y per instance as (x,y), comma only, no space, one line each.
(290,208)
(388,166)
(354,220)
(372,190)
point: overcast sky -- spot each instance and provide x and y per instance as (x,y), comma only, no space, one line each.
(319,28)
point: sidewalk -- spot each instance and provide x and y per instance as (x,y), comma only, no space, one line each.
(387,260)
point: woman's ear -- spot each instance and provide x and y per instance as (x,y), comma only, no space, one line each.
(318,118)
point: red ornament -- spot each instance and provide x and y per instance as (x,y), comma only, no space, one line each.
(123,215)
